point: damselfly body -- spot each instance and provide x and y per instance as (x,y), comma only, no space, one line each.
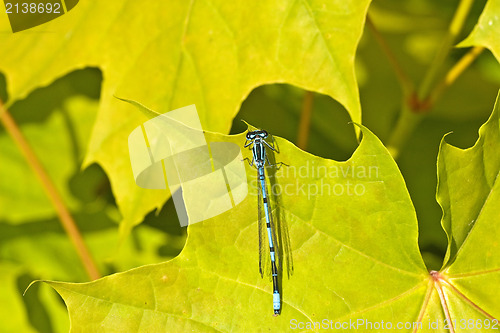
(278,240)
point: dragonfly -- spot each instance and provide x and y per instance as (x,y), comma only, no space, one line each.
(277,240)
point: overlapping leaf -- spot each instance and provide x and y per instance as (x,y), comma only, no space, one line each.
(57,121)
(41,249)
(226,273)
(156,52)
(414,30)
(467,180)
(356,257)
(469,193)
(359,233)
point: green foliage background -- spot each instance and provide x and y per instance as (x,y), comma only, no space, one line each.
(58,82)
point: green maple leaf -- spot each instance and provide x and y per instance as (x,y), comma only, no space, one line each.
(30,235)
(156,53)
(487,30)
(61,153)
(467,183)
(355,255)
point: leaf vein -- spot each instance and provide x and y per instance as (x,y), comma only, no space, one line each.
(136,307)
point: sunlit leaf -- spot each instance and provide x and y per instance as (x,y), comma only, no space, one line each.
(355,257)
(487,30)
(156,53)
(468,183)
(366,223)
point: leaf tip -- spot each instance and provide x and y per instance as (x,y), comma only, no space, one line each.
(248,125)
(29,286)
(145,110)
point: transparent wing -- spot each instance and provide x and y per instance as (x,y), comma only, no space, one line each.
(281,234)
(283,246)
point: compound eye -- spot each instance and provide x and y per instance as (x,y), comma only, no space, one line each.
(250,136)
(263,134)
